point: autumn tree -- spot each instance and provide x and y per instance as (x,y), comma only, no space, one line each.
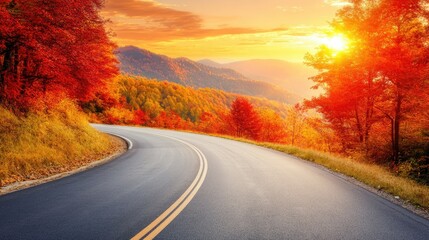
(170,120)
(273,127)
(379,76)
(246,121)
(139,117)
(53,46)
(294,123)
(210,123)
(404,61)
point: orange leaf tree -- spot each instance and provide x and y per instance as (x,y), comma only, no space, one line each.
(376,80)
(53,46)
(245,120)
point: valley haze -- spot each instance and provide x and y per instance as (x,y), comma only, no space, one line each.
(141,62)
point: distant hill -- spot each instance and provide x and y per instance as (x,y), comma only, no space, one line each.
(140,62)
(211,63)
(155,96)
(291,76)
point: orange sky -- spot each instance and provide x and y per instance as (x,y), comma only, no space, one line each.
(222,30)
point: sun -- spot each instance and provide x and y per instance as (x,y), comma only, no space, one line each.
(336,42)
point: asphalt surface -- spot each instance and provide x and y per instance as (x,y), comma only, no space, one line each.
(249,193)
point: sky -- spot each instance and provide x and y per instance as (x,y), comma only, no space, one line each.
(222,30)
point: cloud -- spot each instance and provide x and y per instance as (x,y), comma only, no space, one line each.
(151,21)
(304,31)
(338,3)
(153,12)
(293,9)
(148,33)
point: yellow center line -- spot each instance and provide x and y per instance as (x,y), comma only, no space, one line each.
(154,228)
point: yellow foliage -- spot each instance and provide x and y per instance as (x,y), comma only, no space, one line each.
(36,144)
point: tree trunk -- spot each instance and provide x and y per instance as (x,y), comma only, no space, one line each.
(24,75)
(396,129)
(5,69)
(16,63)
(293,132)
(369,111)
(358,125)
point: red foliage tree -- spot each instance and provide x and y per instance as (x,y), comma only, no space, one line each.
(246,121)
(169,120)
(53,46)
(208,123)
(140,117)
(376,85)
(272,126)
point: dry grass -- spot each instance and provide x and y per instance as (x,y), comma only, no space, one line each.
(370,174)
(43,144)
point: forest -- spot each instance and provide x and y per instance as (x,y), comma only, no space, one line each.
(376,97)
(375,105)
(52,54)
(57,48)
(152,103)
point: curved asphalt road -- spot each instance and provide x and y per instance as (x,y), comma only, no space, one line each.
(249,193)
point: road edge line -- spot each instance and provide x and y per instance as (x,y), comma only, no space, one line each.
(129,142)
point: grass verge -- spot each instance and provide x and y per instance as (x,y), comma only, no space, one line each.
(41,144)
(370,174)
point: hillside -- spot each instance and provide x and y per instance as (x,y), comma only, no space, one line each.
(154,97)
(291,76)
(52,55)
(162,104)
(45,143)
(140,62)
(211,63)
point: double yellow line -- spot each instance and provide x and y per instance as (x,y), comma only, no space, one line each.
(154,228)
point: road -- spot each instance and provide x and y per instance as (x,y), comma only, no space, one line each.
(201,187)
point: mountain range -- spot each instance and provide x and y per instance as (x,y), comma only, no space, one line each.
(289,75)
(141,62)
